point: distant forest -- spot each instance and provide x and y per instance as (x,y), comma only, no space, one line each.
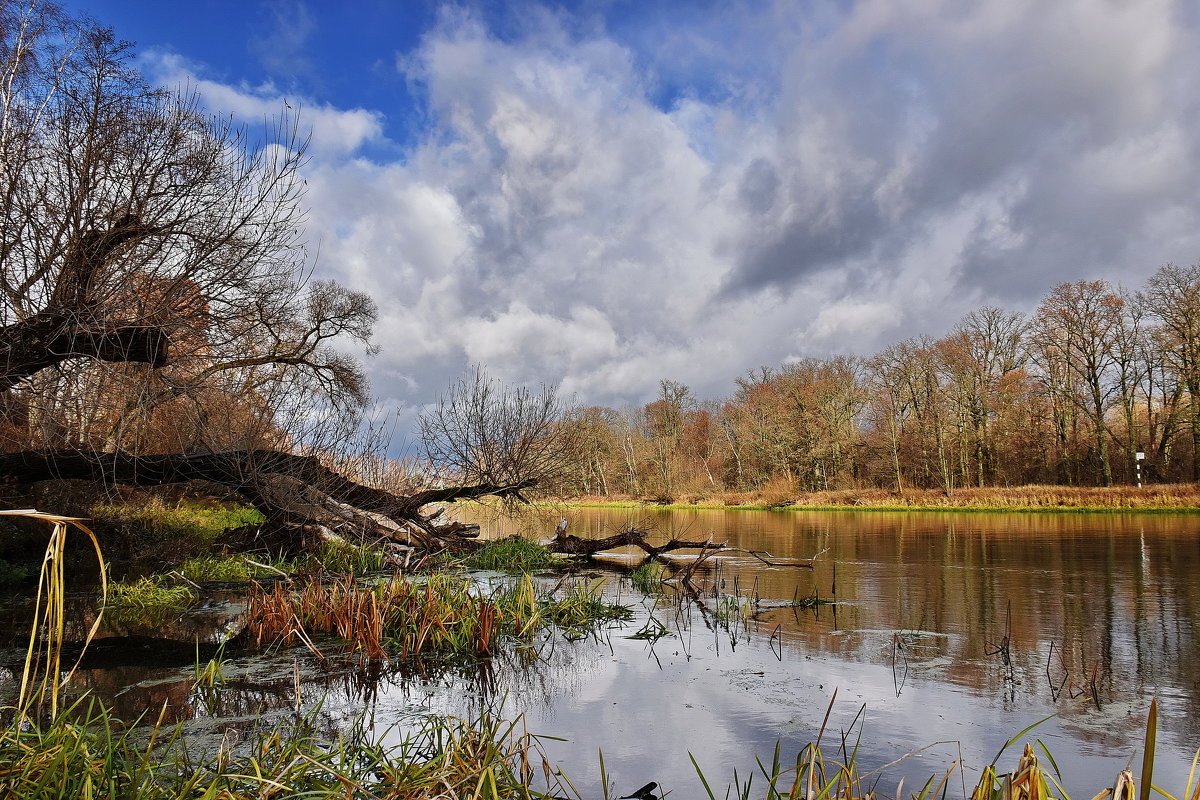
(1069,395)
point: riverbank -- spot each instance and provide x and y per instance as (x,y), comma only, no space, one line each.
(1172,498)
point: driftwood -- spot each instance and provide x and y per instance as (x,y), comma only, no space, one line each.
(564,542)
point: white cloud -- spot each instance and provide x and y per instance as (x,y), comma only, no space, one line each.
(825,178)
(335,132)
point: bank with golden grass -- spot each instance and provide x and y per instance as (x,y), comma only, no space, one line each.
(1177,497)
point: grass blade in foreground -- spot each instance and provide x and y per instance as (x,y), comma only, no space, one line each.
(42,673)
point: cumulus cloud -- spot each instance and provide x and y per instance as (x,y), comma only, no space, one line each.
(690,196)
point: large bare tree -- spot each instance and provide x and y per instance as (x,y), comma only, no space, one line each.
(135,228)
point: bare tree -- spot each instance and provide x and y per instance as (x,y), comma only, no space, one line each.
(483,432)
(1075,334)
(141,233)
(1172,298)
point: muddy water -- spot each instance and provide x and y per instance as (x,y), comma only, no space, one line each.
(947,631)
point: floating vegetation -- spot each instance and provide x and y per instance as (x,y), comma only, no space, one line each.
(652,631)
(511,554)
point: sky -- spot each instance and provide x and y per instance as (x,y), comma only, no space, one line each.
(605,194)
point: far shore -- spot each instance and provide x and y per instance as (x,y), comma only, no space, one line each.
(1163,498)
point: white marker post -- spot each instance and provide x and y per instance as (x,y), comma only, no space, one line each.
(1138,458)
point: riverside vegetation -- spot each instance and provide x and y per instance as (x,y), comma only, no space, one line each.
(781,495)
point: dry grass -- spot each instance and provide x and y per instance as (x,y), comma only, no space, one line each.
(1166,497)
(396,616)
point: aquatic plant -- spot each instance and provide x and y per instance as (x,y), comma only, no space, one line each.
(152,592)
(511,554)
(211,673)
(581,609)
(648,577)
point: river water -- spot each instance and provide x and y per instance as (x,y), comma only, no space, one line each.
(946,631)
(946,627)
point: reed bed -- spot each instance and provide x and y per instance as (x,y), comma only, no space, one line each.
(394,617)
(399,617)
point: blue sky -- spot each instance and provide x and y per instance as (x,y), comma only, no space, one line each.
(606,194)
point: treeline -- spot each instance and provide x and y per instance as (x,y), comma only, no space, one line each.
(1069,395)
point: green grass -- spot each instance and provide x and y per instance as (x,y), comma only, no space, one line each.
(185,519)
(648,577)
(235,568)
(151,592)
(512,554)
(345,557)
(88,754)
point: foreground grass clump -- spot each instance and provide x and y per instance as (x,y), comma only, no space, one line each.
(442,613)
(88,754)
(511,554)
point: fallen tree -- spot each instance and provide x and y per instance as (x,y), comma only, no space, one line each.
(301,498)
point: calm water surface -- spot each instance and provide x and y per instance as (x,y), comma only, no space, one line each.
(947,631)
(925,606)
